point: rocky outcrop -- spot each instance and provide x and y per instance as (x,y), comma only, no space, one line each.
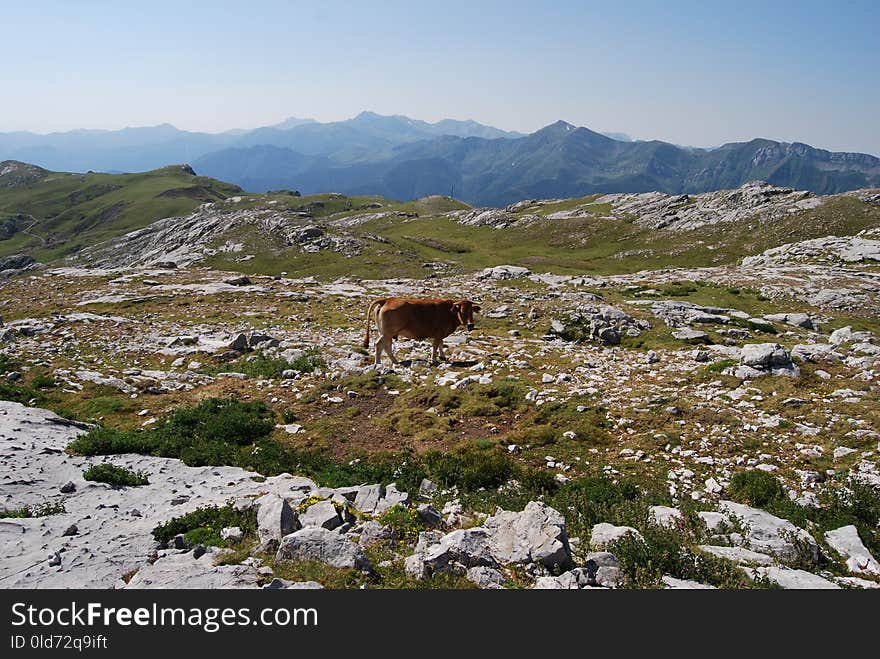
(319,544)
(535,535)
(600,322)
(187,240)
(759,359)
(846,249)
(657,210)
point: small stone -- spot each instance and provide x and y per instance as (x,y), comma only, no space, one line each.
(231,533)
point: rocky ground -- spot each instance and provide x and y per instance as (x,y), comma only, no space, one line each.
(659,386)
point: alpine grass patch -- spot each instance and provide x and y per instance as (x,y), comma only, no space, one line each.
(115,476)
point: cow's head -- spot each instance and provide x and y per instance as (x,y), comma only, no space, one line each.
(464,310)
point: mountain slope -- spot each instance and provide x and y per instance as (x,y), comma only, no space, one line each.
(562,160)
(52,213)
(333,235)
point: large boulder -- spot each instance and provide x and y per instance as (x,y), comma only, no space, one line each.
(462,548)
(802,320)
(322,514)
(792,579)
(275,519)
(318,544)
(815,352)
(767,358)
(601,323)
(368,497)
(535,535)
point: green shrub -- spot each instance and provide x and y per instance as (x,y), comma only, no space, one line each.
(43,381)
(405,523)
(470,469)
(661,551)
(16,394)
(755,488)
(203,525)
(115,475)
(720,365)
(309,361)
(272,368)
(587,501)
(43,510)
(109,441)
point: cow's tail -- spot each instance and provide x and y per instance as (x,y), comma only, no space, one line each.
(373,305)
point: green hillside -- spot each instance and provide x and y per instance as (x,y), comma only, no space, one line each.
(52,214)
(591,244)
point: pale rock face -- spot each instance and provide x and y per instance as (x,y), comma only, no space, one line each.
(466,547)
(275,518)
(766,533)
(846,542)
(672,583)
(738,555)
(504,272)
(605,534)
(767,359)
(186,572)
(792,579)
(114,526)
(322,514)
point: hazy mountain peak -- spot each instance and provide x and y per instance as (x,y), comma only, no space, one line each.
(293,122)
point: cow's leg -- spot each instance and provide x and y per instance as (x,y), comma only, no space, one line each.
(388,347)
(378,350)
(437,353)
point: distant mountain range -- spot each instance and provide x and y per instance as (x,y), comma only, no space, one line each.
(404,158)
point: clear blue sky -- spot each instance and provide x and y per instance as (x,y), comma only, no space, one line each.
(699,73)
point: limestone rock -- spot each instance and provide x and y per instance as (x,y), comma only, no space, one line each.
(535,535)
(318,544)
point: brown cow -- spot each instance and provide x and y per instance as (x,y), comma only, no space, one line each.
(417,319)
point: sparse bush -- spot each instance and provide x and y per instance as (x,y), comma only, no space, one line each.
(43,381)
(115,476)
(665,551)
(203,525)
(43,510)
(109,441)
(405,523)
(308,362)
(272,368)
(587,501)
(19,394)
(720,365)
(755,488)
(470,469)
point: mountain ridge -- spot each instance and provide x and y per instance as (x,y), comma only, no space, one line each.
(404,158)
